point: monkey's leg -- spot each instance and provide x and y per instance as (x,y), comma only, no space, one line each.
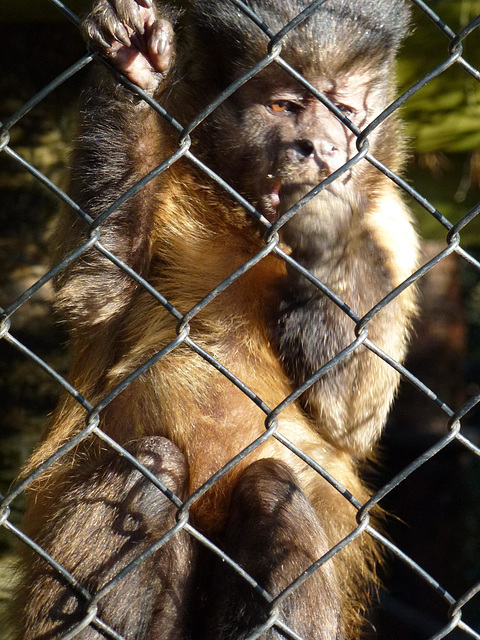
(107,518)
(274,534)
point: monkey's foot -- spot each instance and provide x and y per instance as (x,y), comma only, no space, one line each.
(132,35)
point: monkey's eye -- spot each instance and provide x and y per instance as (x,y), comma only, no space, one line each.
(284,106)
(348,111)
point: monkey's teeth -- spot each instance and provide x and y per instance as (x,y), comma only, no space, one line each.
(274,191)
(275,198)
(271,199)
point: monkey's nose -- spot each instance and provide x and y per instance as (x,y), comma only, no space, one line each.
(304,148)
(323,153)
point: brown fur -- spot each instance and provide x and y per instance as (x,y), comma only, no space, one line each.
(185,237)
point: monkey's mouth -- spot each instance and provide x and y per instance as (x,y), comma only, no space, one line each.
(270,199)
(281,194)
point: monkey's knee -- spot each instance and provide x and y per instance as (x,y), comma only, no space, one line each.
(264,486)
(106,518)
(140,510)
(275,535)
(164,460)
(268,500)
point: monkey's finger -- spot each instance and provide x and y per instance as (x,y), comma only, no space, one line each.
(102,27)
(160,45)
(103,39)
(132,15)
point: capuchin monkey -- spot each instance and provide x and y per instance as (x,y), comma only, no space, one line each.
(273,140)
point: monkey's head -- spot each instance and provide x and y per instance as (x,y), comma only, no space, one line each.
(273,139)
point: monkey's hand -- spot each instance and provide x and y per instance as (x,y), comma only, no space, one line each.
(134,38)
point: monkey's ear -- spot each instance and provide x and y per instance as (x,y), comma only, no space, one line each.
(134,38)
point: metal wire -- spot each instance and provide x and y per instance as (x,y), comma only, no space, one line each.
(454,434)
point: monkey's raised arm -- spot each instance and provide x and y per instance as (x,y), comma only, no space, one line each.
(119,142)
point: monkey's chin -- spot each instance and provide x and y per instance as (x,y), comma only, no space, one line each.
(320,225)
(278,197)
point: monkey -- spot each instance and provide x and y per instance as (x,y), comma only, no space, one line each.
(283,133)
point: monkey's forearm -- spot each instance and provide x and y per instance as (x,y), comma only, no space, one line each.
(117,146)
(119,143)
(362,265)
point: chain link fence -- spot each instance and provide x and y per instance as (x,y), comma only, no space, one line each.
(452,622)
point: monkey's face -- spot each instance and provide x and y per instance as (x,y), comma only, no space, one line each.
(276,142)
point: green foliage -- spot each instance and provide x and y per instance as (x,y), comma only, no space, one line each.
(445,114)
